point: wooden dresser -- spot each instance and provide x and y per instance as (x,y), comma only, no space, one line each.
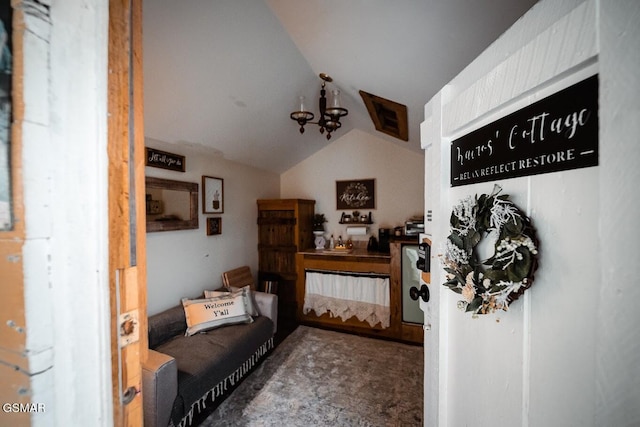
(284,228)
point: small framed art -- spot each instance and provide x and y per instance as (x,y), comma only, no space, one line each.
(212,195)
(214,226)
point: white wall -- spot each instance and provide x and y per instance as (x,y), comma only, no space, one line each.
(566,354)
(185,262)
(359,155)
(64,169)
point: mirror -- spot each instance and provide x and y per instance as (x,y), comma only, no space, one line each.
(171,205)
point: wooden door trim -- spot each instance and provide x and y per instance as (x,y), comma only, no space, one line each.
(127,262)
(12,304)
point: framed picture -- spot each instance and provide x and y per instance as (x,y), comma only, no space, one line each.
(214,226)
(212,195)
(356,193)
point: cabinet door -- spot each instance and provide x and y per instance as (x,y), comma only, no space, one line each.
(277,246)
(276,228)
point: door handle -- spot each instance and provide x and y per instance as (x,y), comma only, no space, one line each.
(423,293)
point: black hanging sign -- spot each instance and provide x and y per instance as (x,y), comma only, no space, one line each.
(557,133)
(164,160)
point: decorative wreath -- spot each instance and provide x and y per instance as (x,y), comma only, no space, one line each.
(511,268)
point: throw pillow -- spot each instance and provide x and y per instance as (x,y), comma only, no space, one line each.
(209,313)
(251,304)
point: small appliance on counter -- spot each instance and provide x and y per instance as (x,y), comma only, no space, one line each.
(372,245)
(384,235)
(414,226)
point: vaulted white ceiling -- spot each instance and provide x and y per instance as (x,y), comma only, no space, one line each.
(224,75)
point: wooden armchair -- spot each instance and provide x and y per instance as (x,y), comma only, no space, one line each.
(238,278)
(241,277)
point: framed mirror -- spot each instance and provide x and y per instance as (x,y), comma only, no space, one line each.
(171,205)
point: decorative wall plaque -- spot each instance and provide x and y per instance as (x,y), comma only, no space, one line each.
(557,133)
(356,194)
(164,160)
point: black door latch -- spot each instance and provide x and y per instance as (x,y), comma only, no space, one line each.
(423,293)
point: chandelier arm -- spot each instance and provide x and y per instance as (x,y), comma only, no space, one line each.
(329,118)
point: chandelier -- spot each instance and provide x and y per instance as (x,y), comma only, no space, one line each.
(329,115)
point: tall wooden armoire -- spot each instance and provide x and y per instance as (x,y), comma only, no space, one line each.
(285,226)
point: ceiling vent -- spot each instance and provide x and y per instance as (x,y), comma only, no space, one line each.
(388,117)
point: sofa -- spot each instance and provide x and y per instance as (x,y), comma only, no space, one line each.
(183,373)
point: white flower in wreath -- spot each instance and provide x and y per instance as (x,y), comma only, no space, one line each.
(506,250)
(502,301)
(502,212)
(502,296)
(468,292)
(454,254)
(465,211)
(469,280)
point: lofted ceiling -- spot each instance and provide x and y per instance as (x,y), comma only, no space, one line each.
(224,75)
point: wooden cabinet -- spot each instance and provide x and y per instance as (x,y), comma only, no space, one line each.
(284,228)
(361,261)
(356,261)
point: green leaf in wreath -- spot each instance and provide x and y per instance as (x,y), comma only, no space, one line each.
(454,220)
(520,269)
(495,275)
(514,228)
(496,288)
(474,238)
(453,286)
(458,276)
(475,304)
(482,202)
(456,240)
(499,264)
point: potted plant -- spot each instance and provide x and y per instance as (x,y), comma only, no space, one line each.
(318,222)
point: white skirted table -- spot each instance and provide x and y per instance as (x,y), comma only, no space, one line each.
(348,290)
(348,294)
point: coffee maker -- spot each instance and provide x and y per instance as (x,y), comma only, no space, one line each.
(384,234)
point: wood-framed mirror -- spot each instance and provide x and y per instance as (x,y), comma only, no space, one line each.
(171,205)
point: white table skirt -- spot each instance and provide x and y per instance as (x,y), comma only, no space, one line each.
(345,296)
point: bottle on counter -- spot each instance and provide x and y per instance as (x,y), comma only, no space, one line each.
(340,242)
(332,244)
(349,244)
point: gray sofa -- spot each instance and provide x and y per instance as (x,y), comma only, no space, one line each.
(184,373)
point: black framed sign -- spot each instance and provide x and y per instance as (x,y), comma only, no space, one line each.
(557,133)
(164,160)
(356,193)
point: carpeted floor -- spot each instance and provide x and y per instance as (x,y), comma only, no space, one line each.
(325,378)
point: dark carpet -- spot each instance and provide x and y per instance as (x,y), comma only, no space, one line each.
(317,377)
